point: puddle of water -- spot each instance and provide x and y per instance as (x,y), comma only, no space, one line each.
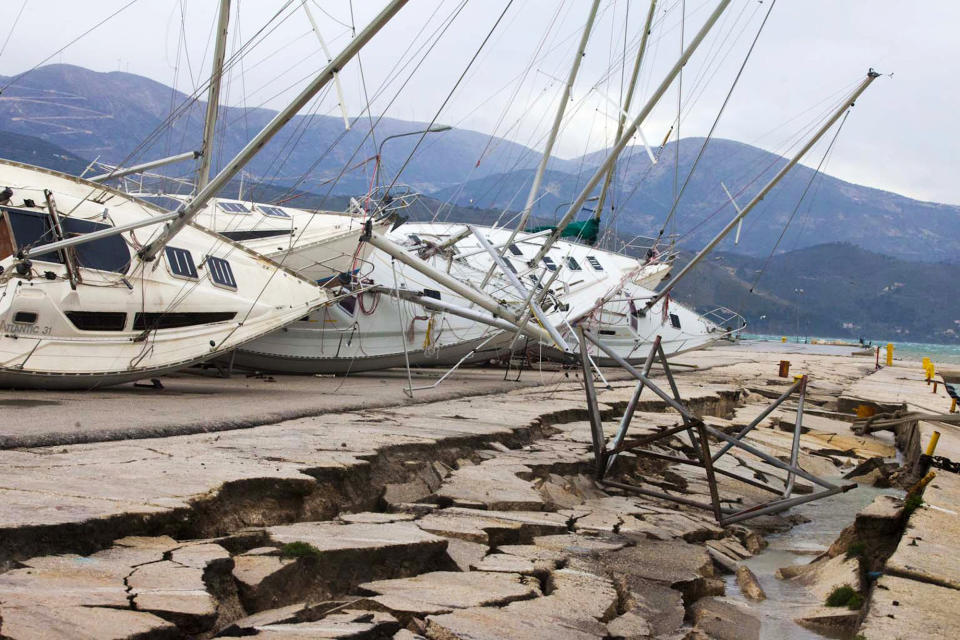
(23,402)
(786,599)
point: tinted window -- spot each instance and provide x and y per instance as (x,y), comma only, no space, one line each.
(573,264)
(550,264)
(181,263)
(515,250)
(273,212)
(595,263)
(32,229)
(221,273)
(233,207)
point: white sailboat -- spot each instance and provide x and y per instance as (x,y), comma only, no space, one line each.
(584,283)
(97,287)
(98,314)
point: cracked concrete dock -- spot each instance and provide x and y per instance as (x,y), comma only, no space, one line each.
(470,516)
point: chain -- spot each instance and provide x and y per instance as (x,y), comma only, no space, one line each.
(940,462)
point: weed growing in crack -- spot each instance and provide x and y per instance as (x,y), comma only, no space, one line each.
(845,596)
(911,504)
(299,550)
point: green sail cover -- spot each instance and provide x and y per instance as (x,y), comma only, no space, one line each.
(585,230)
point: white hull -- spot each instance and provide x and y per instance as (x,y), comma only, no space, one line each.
(374,335)
(125,319)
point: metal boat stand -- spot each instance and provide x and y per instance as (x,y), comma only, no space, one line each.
(699,433)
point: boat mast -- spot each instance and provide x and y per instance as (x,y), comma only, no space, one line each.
(626,103)
(187,212)
(213,95)
(182,216)
(847,104)
(326,52)
(622,142)
(552,137)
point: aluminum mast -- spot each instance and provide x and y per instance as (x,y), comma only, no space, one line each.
(626,103)
(849,102)
(621,144)
(213,95)
(182,216)
(190,209)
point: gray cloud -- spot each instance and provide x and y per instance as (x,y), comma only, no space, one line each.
(901,136)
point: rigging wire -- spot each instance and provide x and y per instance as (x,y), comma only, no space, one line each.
(20,76)
(13,27)
(713,127)
(816,173)
(450,94)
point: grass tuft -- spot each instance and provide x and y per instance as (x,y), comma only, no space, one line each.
(841,596)
(299,550)
(912,503)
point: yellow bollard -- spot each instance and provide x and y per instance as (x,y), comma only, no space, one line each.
(932,445)
(783,338)
(889,354)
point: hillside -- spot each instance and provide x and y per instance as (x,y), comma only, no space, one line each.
(834,289)
(833,209)
(30,150)
(111,115)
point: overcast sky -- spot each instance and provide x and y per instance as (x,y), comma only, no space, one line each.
(901,137)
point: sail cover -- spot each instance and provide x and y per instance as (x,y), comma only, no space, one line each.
(586,230)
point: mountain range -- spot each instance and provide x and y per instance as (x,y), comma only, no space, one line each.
(856,261)
(124,118)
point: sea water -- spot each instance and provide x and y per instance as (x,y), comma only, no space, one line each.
(938,353)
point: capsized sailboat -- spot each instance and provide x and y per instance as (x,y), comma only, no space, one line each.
(97,313)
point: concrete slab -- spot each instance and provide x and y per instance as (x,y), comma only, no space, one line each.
(902,608)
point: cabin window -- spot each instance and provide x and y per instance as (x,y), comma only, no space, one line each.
(163,202)
(515,250)
(175,320)
(549,263)
(31,229)
(272,212)
(573,264)
(25,317)
(181,263)
(595,263)
(221,273)
(98,320)
(509,264)
(255,234)
(675,320)
(233,207)
(348,304)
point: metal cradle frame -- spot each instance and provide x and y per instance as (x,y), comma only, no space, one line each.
(699,433)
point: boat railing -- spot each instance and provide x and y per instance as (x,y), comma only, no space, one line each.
(729,321)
